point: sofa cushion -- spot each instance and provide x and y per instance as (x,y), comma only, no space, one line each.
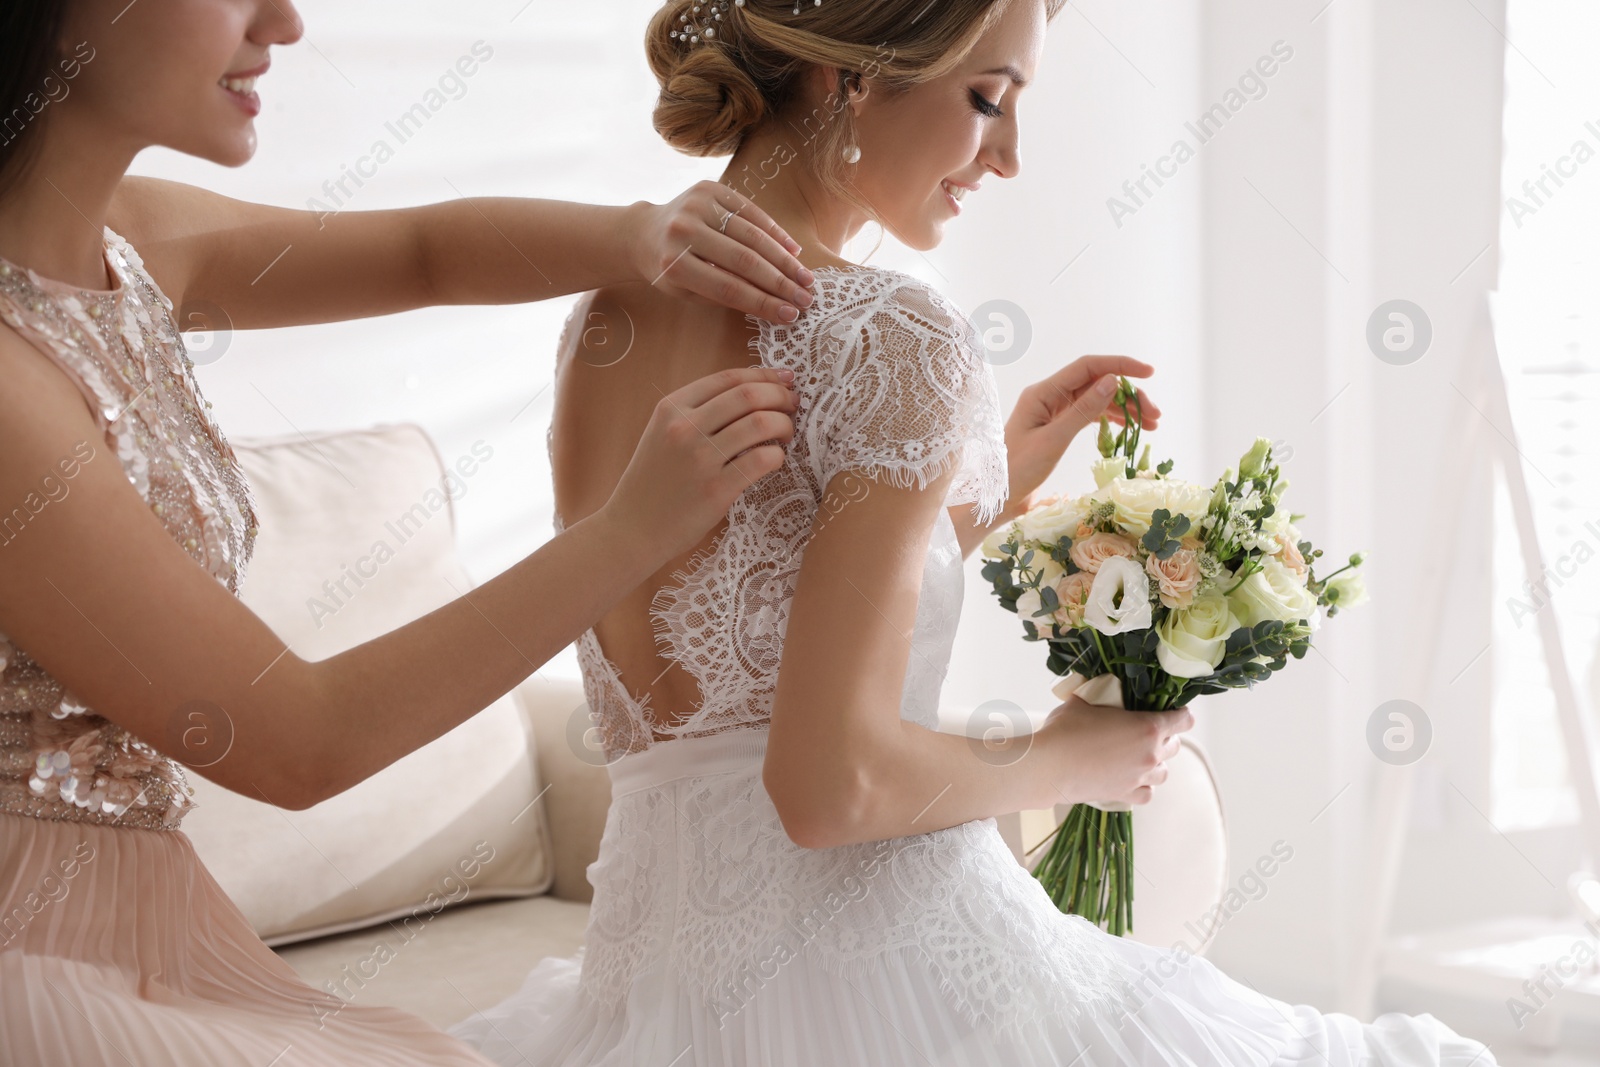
(577,785)
(357,538)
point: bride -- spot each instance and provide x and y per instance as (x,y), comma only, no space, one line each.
(796,867)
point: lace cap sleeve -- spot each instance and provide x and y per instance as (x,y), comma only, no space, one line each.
(902,393)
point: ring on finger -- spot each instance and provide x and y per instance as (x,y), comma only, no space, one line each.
(727,216)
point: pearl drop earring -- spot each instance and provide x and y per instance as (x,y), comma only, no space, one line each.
(852,153)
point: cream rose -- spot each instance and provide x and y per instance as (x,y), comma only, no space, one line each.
(991,544)
(1274,592)
(1073,594)
(1137,499)
(1091,552)
(1190,643)
(1289,555)
(1052,520)
(1178,576)
(1119,599)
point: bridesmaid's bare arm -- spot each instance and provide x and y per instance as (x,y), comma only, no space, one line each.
(252,266)
(94,588)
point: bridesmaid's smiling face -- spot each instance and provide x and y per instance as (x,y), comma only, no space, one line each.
(925,148)
(176,73)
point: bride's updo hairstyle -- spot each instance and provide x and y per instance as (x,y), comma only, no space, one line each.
(722,77)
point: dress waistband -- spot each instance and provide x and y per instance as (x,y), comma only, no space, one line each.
(688,757)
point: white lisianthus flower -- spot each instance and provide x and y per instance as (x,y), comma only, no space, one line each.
(1254,462)
(1277,522)
(1352,589)
(1054,519)
(1108,469)
(1137,499)
(1273,592)
(1119,600)
(1191,642)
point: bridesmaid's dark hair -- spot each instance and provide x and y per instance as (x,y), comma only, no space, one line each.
(29,30)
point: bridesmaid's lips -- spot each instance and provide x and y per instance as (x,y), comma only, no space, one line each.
(249,103)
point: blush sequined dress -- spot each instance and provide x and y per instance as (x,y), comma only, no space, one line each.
(716,941)
(116,945)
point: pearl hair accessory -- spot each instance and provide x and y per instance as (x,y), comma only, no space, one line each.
(699,23)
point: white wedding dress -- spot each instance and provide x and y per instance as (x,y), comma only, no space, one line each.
(714,940)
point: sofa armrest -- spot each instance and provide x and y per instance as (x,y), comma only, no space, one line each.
(577,787)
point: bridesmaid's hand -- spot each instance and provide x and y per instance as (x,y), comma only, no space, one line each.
(1050,413)
(705,444)
(713,244)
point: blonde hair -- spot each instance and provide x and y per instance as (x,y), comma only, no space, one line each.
(716,91)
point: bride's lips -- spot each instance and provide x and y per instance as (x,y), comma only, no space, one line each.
(953,192)
(241,88)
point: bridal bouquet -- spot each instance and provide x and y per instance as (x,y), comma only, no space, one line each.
(1156,590)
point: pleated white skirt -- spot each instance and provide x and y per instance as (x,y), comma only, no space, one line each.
(896,1009)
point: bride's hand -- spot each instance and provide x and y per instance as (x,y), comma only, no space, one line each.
(704,445)
(1105,753)
(713,244)
(1050,413)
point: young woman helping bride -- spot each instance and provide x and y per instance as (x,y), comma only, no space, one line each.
(797,869)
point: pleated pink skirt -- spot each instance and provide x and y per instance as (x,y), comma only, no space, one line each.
(118,947)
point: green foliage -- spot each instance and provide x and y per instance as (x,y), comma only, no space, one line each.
(1161,540)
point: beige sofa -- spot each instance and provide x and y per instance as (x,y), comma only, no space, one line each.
(436,885)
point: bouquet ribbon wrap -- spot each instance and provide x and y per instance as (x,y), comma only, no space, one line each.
(1104,690)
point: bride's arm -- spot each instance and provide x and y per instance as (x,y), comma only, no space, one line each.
(251,266)
(842,767)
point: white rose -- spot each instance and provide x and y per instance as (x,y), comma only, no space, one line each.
(1119,600)
(1191,642)
(1054,520)
(1028,602)
(991,544)
(1137,499)
(1041,566)
(1274,592)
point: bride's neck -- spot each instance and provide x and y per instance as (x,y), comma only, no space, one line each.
(770,168)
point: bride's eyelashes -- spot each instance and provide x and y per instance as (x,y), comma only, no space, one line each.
(984,106)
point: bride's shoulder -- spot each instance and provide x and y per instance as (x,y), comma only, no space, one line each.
(893,384)
(843,288)
(862,316)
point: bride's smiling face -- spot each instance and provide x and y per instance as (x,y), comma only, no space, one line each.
(924,149)
(177,73)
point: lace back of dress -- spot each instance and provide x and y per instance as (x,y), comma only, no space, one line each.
(893,390)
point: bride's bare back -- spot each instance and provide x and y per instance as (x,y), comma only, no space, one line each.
(624,349)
